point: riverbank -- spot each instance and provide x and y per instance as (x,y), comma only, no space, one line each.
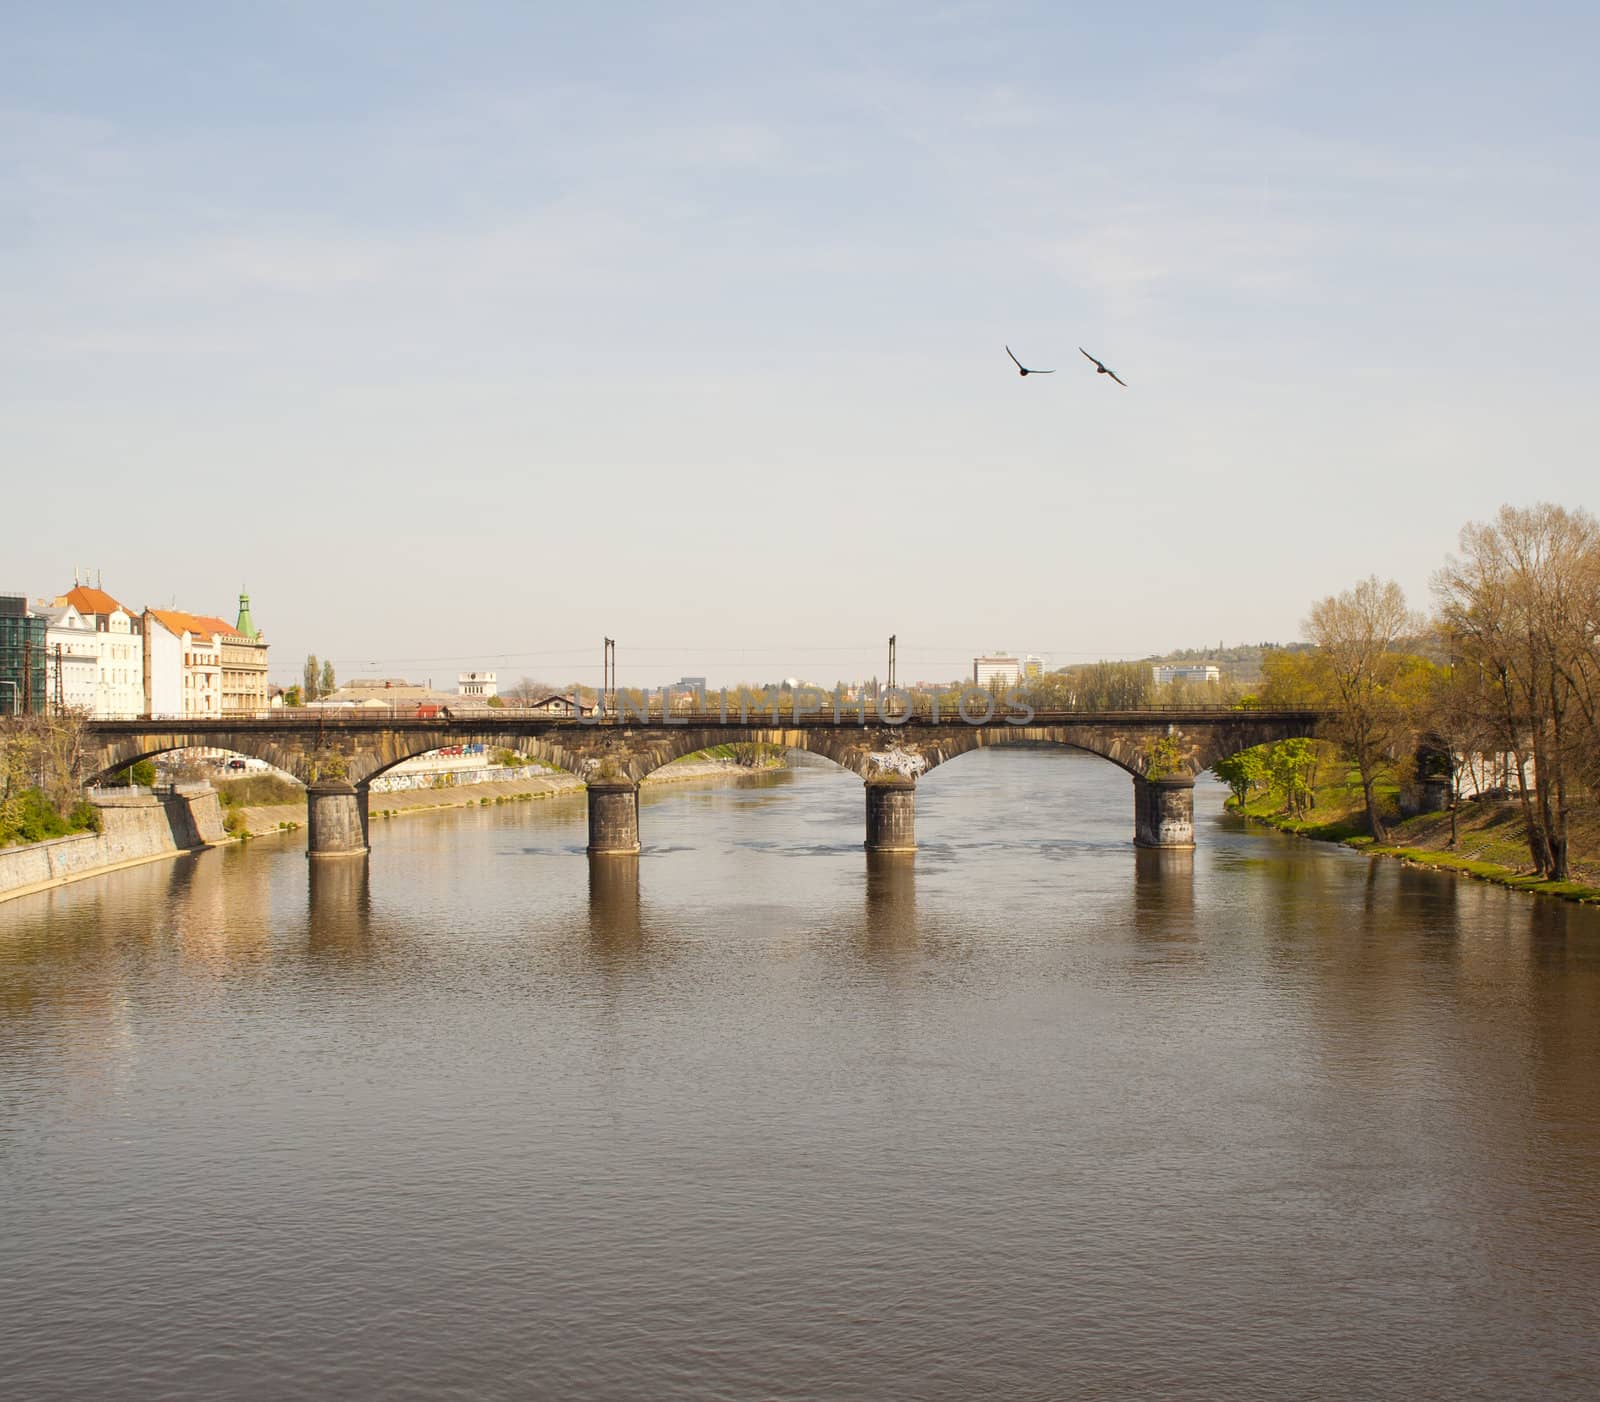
(528,786)
(135,827)
(1491,841)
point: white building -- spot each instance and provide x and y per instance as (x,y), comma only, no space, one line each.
(1001,669)
(71,659)
(119,652)
(476,686)
(183,663)
(1193,672)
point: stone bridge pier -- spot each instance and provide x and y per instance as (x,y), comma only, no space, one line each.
(336,819)
(891,814)
(613,817)
(1163,812)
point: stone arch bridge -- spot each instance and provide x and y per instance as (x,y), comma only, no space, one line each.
(337,755)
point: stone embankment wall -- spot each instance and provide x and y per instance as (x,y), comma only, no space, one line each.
(136,827)
(529,783)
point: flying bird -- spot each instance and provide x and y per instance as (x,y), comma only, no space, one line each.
(1101,370)
(1024,369)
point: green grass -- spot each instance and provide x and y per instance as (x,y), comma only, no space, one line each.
(1495,848)
(1491,871)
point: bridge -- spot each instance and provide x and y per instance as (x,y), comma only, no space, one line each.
(337,755)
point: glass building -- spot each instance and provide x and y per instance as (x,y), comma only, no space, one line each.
(22,657)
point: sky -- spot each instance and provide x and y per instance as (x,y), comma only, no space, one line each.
(465,335)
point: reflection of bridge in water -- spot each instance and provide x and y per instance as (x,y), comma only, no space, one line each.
(337,756)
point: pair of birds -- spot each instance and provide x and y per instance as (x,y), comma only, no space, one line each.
(1100,367)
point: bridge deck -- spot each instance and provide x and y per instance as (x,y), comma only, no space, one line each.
(300,720)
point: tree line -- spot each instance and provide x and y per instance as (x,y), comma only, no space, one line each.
(1508,663)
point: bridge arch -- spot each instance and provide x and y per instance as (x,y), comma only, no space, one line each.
(1125,754)
(365,765)
(656,753)
(118,754)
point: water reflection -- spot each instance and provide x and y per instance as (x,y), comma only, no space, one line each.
(890,928)
(339,910)
(616,931)
(1163,895)
(1039,1107)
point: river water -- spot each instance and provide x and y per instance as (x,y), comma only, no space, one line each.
(1030,1116)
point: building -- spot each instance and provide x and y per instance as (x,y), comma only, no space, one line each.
(119,692)
(244,665)
(476,686)
(202,665)
(72,657)
(1032,667)
(1192,672)
(560,706)
(997,670)
(182,663)
(23,684)
(383,693)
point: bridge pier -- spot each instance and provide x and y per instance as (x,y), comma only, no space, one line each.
(1163,812)
(891,814)
(336,819)
(613,817)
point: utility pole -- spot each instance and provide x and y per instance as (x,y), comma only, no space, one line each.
(608,678)
(891,662)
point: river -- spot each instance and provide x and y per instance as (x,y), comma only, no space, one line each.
(1030,1116)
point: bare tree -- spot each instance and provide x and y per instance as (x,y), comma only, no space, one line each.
(58,742)
(1522,603)
(1452,718)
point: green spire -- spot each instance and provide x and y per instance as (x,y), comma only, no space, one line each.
(245,627)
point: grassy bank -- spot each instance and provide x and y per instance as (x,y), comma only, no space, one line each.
(1491,838)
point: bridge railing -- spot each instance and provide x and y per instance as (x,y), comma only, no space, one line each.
(783,714)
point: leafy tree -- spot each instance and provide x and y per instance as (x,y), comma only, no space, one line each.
(1094,686)
(313,676)
(1289,765)
(142,773)
(326,685)
(293,697)
(1242,772)
(1364,678)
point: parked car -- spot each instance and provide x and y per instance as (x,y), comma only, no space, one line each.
(235,764)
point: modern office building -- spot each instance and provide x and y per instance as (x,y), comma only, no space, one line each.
(24,688)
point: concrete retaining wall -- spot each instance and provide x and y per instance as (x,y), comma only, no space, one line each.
(137,828)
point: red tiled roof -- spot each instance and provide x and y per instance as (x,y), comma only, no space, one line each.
(201,625)
(89,601)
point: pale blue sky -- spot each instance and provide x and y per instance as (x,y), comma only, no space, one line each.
(474,331)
